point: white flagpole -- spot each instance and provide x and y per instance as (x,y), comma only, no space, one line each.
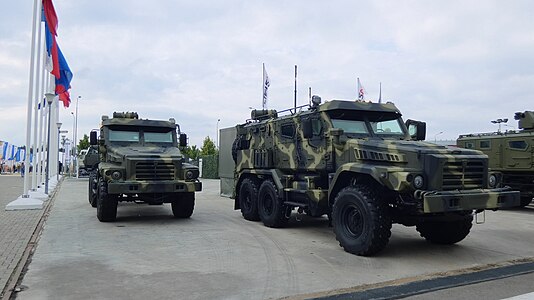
(36,15)
(41,117)
(25,201)
(263,100)
(36,96)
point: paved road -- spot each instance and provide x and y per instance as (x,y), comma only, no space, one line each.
(16,227)
(217,254)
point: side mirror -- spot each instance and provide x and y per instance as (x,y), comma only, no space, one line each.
(416,130)
(92,138)
(307,130)
(183,140)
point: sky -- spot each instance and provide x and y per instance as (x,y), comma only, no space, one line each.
(455,64)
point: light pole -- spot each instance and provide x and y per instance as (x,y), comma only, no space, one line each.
(75,146)
(436,136)
(217,135)
(499,121)
(58,135)
(49,99)
(72,154)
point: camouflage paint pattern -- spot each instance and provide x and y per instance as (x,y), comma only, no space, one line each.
(510,153)
(321,164)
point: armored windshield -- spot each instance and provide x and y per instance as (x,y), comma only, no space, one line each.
(123,136)
(357,123)
(161,136)
(158,137)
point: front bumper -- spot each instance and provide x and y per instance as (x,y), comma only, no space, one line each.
(145,187)
(448,201)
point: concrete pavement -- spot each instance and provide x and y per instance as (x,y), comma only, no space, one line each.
(16,228)
(218,255)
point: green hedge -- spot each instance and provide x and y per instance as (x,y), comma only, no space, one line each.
(210,166)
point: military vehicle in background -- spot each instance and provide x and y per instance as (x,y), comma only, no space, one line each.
(361,165)
(511,153)
(139,160)
(88,161)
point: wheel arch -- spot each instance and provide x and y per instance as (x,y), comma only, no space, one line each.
(347,175)
(259,175)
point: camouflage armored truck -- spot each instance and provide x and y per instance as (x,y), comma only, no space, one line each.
(511,153)
(140,161)
(360,164)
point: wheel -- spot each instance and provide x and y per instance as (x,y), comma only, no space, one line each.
(525,201)
(92,189)
(184,205)
(106,205)
(445,232)
(248,199)
(270,208)
(361,221)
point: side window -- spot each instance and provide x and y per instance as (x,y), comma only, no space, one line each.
(288,130)
(485,144)
(469,145)
(520,145)
(317,126)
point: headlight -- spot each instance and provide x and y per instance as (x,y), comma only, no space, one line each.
(189,174)
(418,182)
(492,181)
(116,175)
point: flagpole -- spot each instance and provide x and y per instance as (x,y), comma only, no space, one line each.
(36,9)
(295,97)
(36,106)
(263,101)
(40,137)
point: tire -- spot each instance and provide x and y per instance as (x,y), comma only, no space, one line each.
(106,205)
(92,189)
(248,199)
(361,221)
(525,201)
(183,207)
(270,208)
(443,232)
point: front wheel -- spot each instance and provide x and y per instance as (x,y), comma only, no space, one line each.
(272,212)
(183,206)
(525,201)
(92,189)
(106,205)
(445,232)
(361,221)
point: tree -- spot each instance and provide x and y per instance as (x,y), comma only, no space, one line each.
(208,148)
(191,152)
(83,143)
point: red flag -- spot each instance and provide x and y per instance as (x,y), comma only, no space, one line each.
(50,15)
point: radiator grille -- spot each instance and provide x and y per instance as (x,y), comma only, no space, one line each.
(459,175)
(154,170)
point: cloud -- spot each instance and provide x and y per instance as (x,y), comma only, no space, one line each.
(455,64)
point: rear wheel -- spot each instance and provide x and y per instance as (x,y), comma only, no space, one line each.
(361,221)
(106,205)
(271,210)
(248,199)
(183,207)
(445,232)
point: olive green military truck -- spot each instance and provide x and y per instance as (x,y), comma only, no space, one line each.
(88,161)
(361,165)
(140,161)
(511,153)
